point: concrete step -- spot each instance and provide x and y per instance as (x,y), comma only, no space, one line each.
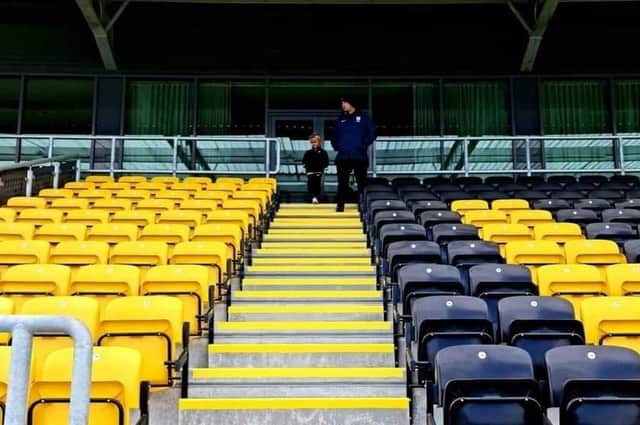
(268,245)
(295,411)
(303,237)
(297,382)
(318,213)
(296,284)
(304,332)
(300,261)
(310,223)
(310,250)
(276,270)
(307,296)
(301,206)
(316,231)
(296,312)
(301,355)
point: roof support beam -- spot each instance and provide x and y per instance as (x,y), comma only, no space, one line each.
(100,33)
(536,32)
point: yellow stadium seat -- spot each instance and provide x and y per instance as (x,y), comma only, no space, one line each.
(38,217)
(5,362)
(612,321)
(67,204)
(132,180)
(228,188)
(23,252)
(462,206)
(80,186)
(557,232)
(113,394)
(137,217)
(7,215)
(56,233)
(571,281)
(115,187)
(25,281)
(510,205)
(166,180)
(16,231)
(203,206)
(26,202)
(531,217)
(202,181)
(141,254)
(156,206)
(481,218)
(105,282)
(504,233)
(228,233)
(176,196)
(623,279)
(213,195)
(236,181)
(593,251)
(188,218)
(151,187)
(133,195)
(51,194)
(533,254)
(113,233)
(80,253)
(190,188)
(212,255)
(88,217)
(151,325)
(188,283)
(264,180)
(98,180)
(241,216)
(112,205)
(92,195)
(170,234)
(6,307)
(259,187)
(85,309)
(253,195)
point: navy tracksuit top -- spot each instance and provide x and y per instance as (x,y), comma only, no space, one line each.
(354,133)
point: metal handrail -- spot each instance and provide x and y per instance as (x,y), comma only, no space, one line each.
(41,161)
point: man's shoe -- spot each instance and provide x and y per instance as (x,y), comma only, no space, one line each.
(315,201)
(340,208)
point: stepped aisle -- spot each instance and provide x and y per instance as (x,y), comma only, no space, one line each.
(304,340)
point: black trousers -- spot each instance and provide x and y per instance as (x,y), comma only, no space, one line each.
(314,184)
(344,169)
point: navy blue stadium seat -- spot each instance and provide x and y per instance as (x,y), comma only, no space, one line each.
(594,204)
(410,188)
(381,181)
(594,180)
(418,196)
(561,179)
(466,180)
(627,179)
(617,232)
(583,188)
(445,187)
(538,324)
(487,384)
(439,322)
(383,205)
(402,253)
(615,186)
(595,385)
(430,218)
(419,280)
(390,216)
(569,196)
(632,251)
(478,188)
(547,188)
(444,233)
(491,195)
(431,181)
(551,205)
(372,197)
(530,195)
(629,204)
(418,207)
(455,196)
(498,180)
(399,232)
(581,217)
(376,188)
(512,187)
(610,195)
(493,282)
(530,180)
(465,254)
(629,216)
(404,181)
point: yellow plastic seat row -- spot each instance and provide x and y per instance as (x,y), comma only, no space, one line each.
(462,206)
(481,218)
(612,321)
(541,252)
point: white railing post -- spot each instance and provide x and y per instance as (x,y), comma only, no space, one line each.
(621,154)
(56,175)
(465,156)
(50,150)
(112,159)
(267,157)
(174,159)
(527,155)
(29,178)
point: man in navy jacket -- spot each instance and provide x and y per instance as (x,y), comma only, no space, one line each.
(354,133)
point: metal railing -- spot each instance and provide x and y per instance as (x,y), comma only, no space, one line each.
(259,155)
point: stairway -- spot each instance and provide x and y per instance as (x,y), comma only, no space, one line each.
(305,340)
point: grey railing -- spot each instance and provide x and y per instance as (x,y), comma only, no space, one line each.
(22,329)
(260,155)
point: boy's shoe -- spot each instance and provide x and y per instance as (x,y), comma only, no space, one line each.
(315,201)
(340,208)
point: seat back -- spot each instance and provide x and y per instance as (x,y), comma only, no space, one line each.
(67,204)
(596,252)
(227,233)
(557,232)
(105,281)
(141,254)
(420,280)
(20,203)
(211,254)
(181,217)
(617,232)
(113,233)
(404,252)
(623,279)
(170,234)
(112,205)
(77,254)
(156,206)
(481,218)
(534,254)
(612,321)
(462,206)
(16,231)
(137,217)
(59,232)
(51,194)
(38,217)
(87,217)
(14,252)
(531,218)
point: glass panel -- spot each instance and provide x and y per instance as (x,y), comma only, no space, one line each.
(490,155)
(392,106)
(9,102)
(162,108)
(580,154)
(476,108)
(77,147)
(58,106)
(294,129)
(574,107)
(153,155)
(632,153)
(316,95)
(34,148)
(292,151)
(7,150)
(232,155)
(411,155)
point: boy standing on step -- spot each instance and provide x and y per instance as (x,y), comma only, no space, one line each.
(315,161)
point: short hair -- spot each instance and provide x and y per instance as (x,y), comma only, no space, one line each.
(315,136)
